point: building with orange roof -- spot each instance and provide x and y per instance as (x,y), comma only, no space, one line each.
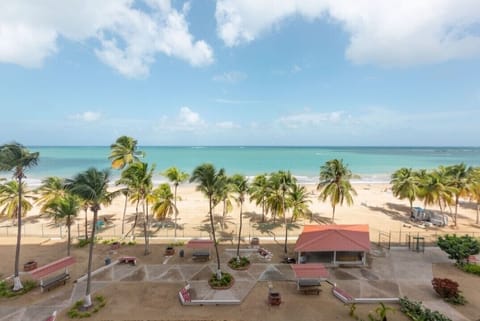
(335,244)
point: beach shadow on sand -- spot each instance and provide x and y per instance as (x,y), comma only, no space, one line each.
(395,211)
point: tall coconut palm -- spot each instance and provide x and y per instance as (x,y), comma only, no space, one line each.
(92,187)
(474,189)
(15,157)
(430,188)
(164,202)
(124,151)
(9,200)
(177,177)
(259,191)
(298,201)
(335,184)
(209,182)
(138,177)
(274,200)
(224,195)
(459,182)
(65,208)
(287,181)
(50,190)
(405,185)
(240,187)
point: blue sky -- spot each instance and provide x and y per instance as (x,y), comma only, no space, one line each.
(240,72)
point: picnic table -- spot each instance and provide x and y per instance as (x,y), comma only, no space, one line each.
(201,255)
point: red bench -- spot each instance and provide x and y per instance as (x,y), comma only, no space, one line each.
(128,260)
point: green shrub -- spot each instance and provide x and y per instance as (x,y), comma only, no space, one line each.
(238,264)
(7,292)
(471,268)
(224,281)
(416,312)
(83,242)
(177,243)
(459,248)
(76,310)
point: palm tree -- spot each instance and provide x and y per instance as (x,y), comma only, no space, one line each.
(274,199)
(286,183)
(474,188)
(15,157)
(50,190)
(224,194)
(298,201)
(177,177)
(335,184)
(240,186)
(138,177)
(430,188)
(405,185)
(259,192)
(164,202)
(124,151)
(65,208)
(209,182)
(92,187)
(459,182)
(9,200)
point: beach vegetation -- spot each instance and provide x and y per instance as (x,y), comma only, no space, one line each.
(224,195)
(209,181)
(138,177)
(405,185)
(15,157)
(65,208)
(176,176)
(416,311)
(379,314)
(239,263)
(240,187)
(471,268)
(77,311)
(124,152)
(164,202)
(474,189)
(6,289)
(51,189)
(335,184)
(91,186)
(259,191)
(299,201)
(459,177)
(459,248)
(224,282)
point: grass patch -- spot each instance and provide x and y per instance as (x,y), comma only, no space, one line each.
(77,312)
(7,292)
(225,282)
(470,268)
(177,243)
(417,312)
(241,264)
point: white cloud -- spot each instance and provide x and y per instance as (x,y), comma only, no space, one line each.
(310,119)
(88,116)
(227,125)
(129,37)
(186,120)
(230,77)
(405,33)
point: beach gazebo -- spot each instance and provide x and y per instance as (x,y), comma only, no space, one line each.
(334,244)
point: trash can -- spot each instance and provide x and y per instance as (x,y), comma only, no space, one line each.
(181,253)
(108,260)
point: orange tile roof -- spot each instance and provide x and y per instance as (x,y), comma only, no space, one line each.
(325,238)
(309,271)
(52,267)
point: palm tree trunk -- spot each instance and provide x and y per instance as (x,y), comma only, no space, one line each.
(86,222)
(333,213)
(17,283)
(240,231)
(219,272)
(456,209)
(285,250)
(132,230)
(124,213)
(478,205)
(145,226)
(176,212)
(68,235)
(87,302)
(411,206)
(263,210)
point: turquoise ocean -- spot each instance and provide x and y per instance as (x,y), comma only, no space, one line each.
(372,164)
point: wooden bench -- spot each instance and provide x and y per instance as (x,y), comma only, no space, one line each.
(128,260)
(309,286)
(201,255)
(55,281)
